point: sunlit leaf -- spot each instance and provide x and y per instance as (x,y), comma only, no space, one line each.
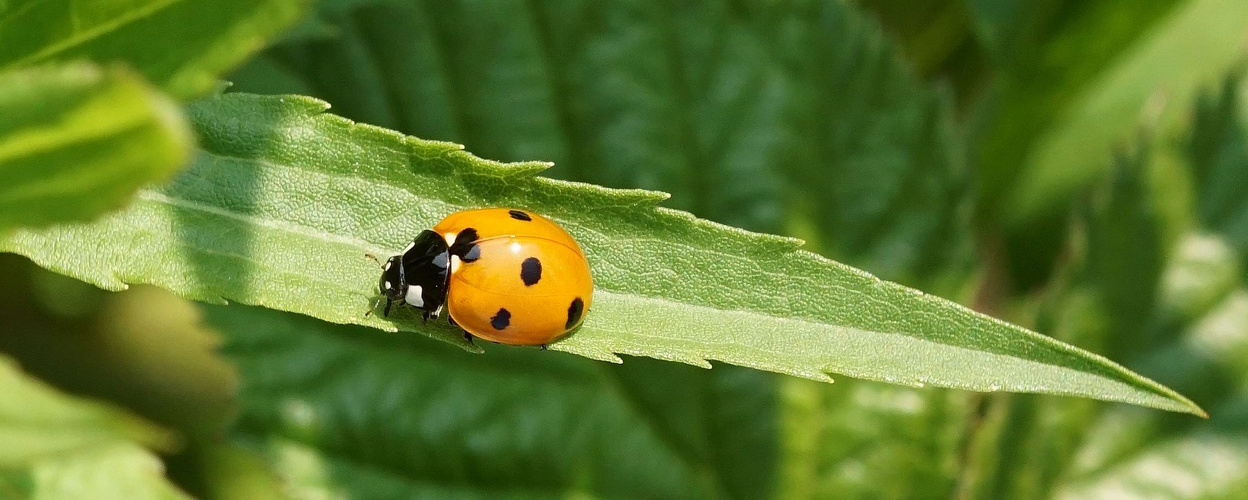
(36,421)
(284,196)
(121,471)
(77,140)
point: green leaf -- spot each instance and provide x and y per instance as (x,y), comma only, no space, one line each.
(1028,440)
(230,471)
(704,101)
(1056,444)
(859,439)
(1205,463)
(59,446)
(285,200)
(878,163)
(700,101)
(36,422)
(1046,52)
(1125,254)
(1218,155)
(181,45)
(142,349)
(1077,80)
(340,410)
(722,417)
(1203,270)
(1153,84)
(77,140)
(121,471)
(1208,360)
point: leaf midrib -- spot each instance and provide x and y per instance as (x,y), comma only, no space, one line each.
(280,225)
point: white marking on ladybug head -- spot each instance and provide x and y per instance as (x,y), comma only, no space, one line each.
(387,285)
(413,296)
(386,266)
(410,246)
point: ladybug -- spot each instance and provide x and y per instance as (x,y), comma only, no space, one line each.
(504,275)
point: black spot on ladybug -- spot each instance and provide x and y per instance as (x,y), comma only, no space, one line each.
(501,319)
(531,271)
(472,254)
(518,215)
(467,236)
(465,246)
(574,312)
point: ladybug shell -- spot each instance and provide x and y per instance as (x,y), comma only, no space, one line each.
(526,282)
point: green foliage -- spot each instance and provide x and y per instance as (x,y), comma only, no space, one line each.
(400,414)
(1079,80)
(58,446)
(77,140)
(1110,217)
(1218,147)
(40,422)
(122,472)
(1125,252)
(253,181)
(622,83)
(1154,86)
(182,46)
(718,110)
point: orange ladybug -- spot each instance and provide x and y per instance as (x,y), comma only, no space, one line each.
(504,275)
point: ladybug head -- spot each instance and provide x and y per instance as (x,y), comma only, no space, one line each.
(419,277)
(392,285)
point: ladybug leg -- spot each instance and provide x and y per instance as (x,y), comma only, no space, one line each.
(386,312)
(424,317)
(543,347)
(467,336)
(374,259)
(373,308)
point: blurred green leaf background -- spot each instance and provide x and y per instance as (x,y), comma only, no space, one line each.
(1078,168)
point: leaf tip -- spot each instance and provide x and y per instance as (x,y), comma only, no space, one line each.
(1190,407)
